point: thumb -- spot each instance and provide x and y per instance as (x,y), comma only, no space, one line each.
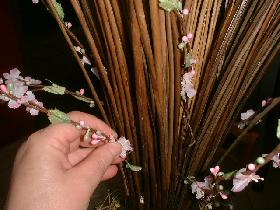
(92,168)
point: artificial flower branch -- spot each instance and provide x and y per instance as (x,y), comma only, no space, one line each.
(211,189)
(15,90)
(64,31)
(253,122)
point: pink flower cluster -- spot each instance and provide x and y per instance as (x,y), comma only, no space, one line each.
(198,188)
(84,60)
(126,146)
(187,88)
(17,86)
(241,180)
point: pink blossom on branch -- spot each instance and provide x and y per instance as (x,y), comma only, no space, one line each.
(215,170)
(126,146)
(276,160)
(199,188)
(16,86)
(187,88)
(241,180)
(246,115)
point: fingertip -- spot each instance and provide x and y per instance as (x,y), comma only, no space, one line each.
(115,148)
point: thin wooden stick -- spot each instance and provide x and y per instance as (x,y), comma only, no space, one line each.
(62,27)
(97,58)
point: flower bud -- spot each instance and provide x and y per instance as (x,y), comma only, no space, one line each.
(251,167)
(185,11)
(260,160)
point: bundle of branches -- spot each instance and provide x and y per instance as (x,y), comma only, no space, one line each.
(133,45)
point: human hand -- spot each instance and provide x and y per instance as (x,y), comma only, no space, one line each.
(51,171)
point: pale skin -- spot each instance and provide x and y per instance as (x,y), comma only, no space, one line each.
(51,171)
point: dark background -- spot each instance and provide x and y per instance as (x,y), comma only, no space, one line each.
(31,41)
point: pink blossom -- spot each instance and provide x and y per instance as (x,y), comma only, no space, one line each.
(3,88)
(94,141)
(190,35)
(215,170)
(29,96)
(35,1)
(198,188)
(246,115)
(32,110)
(82,91)
(98,137)
(223,195)
(241,125)
(185,11)
(78,49)
(251,167)
(85,60)
(68,24)
(13,75)
(126,146)
(185,39)
(240,180)
(276,161)
(13,104)
(187,86)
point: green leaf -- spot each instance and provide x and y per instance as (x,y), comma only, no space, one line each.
(55,89)
(228,176)
(59,9)
(56,116)
(132,167)
(187,61)
(170,5)
(179,5)
(278,129)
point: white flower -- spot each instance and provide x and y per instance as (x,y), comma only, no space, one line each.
(68,25)
(30,81)
(200,187)
(12,76)
(196,188)
(85,60)
(95,72)
(32,110)
(240,180)
(19,89)
(141,199)
(276,161)
(246,115)
(35,1)
(187,86)
(29,96)
(209,206)
(241,125)
(126,146)
(77,48)
(13,104)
